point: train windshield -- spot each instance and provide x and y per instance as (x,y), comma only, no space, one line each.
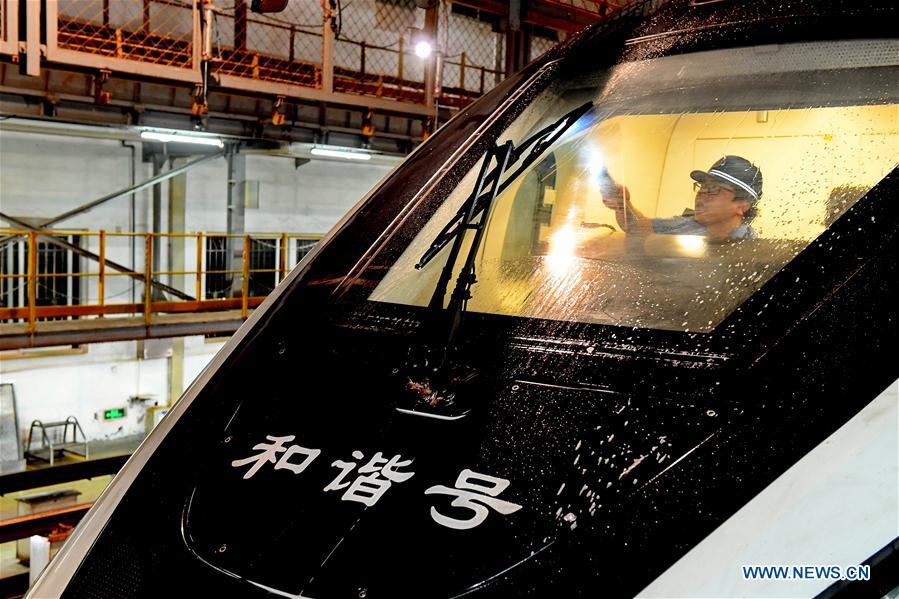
(687,183)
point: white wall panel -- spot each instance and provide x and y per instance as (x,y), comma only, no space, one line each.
(42,176)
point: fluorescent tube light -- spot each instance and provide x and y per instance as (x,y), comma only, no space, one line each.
(345,154)
(181,138)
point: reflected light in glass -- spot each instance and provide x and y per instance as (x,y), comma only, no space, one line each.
(693,245)
(595,163)
(561,250)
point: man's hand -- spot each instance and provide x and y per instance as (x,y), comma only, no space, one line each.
(614,196)
(618,198)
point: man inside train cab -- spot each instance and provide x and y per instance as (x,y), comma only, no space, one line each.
(725,203)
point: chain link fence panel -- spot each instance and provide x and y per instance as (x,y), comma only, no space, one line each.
(475,56)
(284,47)
(149,31)
(374,51)
(541,45)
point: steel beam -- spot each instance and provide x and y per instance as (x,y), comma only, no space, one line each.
(41,523)
(43,477)
(124,329)
(221,121)
(543,13)
(335,99)
(159,178)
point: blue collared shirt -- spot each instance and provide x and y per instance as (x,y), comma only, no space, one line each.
(686,225)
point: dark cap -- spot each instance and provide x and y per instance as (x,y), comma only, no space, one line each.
(737,171)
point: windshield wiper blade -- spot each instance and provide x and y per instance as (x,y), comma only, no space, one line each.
(430,387)
(537,143)
(432,382)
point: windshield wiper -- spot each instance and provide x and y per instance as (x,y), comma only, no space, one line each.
(538,143)
(430,386)
(476,208)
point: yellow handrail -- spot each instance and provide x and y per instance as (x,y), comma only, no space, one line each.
(36,281)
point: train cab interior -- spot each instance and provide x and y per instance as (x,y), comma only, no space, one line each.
(553,250)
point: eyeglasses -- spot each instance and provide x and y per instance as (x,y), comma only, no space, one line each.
(711,188)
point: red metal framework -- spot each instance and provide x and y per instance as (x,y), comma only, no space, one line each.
(9,27)
(474,57)
(155,38)
(151,31)
(360,54)
(589,8)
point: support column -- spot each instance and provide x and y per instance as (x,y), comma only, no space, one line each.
(518,46)
(498,60)
(240,25)
(237,174)
(177,216)
(32,66)
(431,68)
(156,227)
(177,262)
(176,370)
(328,48)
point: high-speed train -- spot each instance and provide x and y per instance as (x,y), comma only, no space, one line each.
(625,326)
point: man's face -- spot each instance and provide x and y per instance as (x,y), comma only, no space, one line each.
(715,203)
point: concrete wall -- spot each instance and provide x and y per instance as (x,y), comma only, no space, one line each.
(42,176)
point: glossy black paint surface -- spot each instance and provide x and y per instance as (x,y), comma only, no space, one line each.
(623,447)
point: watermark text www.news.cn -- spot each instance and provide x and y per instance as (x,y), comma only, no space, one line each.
(805,572)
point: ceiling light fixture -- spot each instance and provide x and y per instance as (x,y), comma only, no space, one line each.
(181,138)
(345,154)
(423,49)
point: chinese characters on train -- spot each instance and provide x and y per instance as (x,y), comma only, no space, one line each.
(473,492)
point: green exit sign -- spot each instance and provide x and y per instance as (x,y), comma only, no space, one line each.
(114,413)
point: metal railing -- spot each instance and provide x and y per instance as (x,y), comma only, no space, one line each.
(248,283)
(9,27)
(155,32)
(282,48)
(164,38)
(367,50)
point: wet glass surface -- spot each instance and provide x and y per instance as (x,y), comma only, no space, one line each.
(623,221)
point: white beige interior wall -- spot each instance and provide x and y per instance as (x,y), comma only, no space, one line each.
(308,199)
(42,176)
(106,376)
(803,154)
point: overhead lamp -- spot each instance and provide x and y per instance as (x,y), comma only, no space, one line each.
(423,49)
(181,138)
(268,6)
(345,154)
